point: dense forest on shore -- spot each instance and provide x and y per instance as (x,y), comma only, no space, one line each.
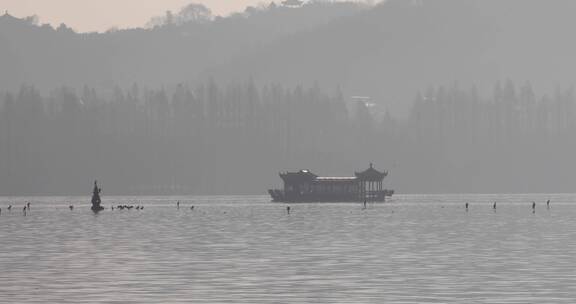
(206,140)
(218,139)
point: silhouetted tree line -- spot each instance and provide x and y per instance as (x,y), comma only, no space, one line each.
(511,141)
(234,139)
(206,139)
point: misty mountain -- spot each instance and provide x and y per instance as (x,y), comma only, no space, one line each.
(212,105)
(388,51)
(171,53)
(399,47)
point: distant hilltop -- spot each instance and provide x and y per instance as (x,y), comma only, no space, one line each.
(387,51)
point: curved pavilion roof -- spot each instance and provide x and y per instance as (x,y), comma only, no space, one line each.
(371,174)
(305,176)
(300,176)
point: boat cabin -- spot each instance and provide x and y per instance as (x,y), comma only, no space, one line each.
(306,186)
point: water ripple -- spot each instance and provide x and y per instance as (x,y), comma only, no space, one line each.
(413,249)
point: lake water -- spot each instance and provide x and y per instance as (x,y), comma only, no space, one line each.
(412,249)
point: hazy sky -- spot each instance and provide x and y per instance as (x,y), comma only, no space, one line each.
(100,15)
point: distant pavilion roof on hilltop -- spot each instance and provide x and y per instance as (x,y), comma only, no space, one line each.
(292,2)
(371,174)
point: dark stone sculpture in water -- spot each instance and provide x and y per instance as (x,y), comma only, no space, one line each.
(96,198)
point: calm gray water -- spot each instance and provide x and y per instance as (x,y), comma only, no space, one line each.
(413,249)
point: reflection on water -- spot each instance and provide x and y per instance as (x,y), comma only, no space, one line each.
(413,249)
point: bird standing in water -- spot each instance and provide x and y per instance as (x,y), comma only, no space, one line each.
(288,209)
(533,207)
(466,206)
(548,204)
(494,206)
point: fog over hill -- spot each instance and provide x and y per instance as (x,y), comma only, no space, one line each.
(211,105)
(388,52)
(170,53)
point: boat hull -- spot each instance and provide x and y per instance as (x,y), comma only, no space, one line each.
(375,196)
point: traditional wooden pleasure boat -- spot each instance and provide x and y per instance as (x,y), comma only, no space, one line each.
(305,186)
